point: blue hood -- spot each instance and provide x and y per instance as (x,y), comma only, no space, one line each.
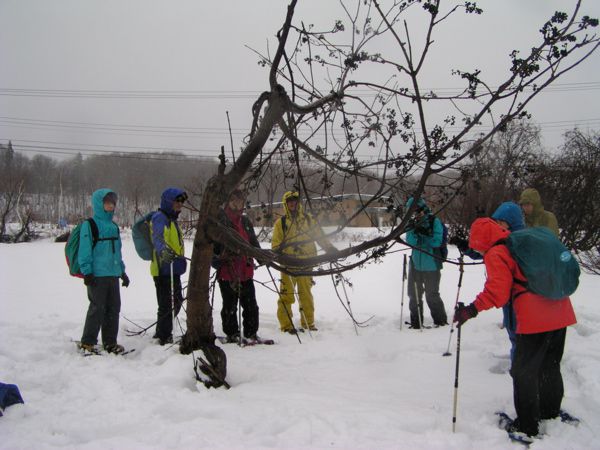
(166,201)
(98,205)
(510,213)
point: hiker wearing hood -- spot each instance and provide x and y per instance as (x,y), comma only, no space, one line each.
(424,273)
(235,272)
(541,327)
(102,265)
(295,233)
(535,214)
(168,261)
(510,217)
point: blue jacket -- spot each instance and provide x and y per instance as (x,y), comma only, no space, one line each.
(167,234)
(103,260)
(425,241)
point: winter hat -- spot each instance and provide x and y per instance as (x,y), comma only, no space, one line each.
(510,213)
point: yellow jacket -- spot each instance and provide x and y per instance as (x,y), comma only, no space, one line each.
(300,233)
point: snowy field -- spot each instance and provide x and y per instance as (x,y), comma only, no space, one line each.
(381,389)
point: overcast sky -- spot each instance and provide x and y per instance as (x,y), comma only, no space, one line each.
(138,74)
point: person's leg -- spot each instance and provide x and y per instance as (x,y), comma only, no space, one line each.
(432,295)
(551,382)
(229,320)
(249,308)
(164,320)
(530,351)
(415,297)
(110,325)
(285,302)
(307,304)
(95,313)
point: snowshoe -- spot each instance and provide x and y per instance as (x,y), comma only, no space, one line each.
(506,423)
(565,417)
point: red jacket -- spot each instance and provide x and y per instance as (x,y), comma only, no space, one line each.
(236,268)
(534,313)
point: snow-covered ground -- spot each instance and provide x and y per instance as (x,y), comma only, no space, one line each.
(383,388)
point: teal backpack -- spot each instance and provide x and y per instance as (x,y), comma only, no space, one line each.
(72,247)
(550,268)
(142,238)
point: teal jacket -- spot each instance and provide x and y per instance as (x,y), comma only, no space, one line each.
(425,241)
(104,259)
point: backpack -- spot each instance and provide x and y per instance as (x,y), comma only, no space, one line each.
(443,248)
(550,268)
(142,240)
(72,247)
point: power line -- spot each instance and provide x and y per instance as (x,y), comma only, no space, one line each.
(235,94)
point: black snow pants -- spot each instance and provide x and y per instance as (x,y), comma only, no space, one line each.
(247,298)
(103,311)
(537,382)
(164,324)
(420,282)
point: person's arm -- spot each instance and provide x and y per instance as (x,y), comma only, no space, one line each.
(498,285)
(552,223)
(85,255)
(277,238)
(164,254)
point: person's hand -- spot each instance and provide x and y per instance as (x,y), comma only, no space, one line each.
(464,313)
(167,256)
(125,279)
(89,280)
(462,244)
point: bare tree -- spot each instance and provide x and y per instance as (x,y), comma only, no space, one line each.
(335,93)
(497,172)
(13,177)
(570,183)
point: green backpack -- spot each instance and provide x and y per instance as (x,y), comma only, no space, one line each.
(550,268)
(72,247)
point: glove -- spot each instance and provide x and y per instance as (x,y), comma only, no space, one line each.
(464,313)
(167,256)
(125,279)
(461,244)
(89,280)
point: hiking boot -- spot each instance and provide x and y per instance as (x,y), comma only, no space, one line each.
(232,338)
(516,428)
(86,347)
(166,340)
(290,331)
(414,326)
(440,324)
(114,348)
(313,328)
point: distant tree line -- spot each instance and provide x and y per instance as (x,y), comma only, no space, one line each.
(47,190)
(43,189)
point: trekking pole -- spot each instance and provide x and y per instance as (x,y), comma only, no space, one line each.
(172,300)
(403,285)
(462,270)
(456,380)
(239,302)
